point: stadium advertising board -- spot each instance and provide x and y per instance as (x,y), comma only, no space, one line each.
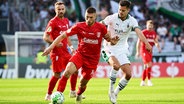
(30,71)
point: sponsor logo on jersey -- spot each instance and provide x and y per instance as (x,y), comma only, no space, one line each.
(98,34)
(90,41)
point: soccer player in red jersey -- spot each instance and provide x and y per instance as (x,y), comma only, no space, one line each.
(152,38)
(90,34)
(60,54)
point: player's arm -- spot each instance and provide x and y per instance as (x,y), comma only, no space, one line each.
(46,38)
(113,40)
(143,39)
(54,43)
(157,44)
(138,45)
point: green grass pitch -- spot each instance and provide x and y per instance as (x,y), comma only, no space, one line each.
(32,91)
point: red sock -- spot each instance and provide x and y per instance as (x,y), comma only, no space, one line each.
(81,90)
(149,72)
(144,75)
(52,84)
(73,81)
(62,84)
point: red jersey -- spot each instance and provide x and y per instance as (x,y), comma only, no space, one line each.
(150,36)
(54,28)
(90,39)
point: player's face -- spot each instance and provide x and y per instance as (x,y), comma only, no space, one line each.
(90,18)
(149,26)
(60,10)
(123,12)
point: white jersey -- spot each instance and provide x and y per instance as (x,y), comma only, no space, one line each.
(120,28)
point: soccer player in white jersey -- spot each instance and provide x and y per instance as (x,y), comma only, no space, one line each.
(120,24)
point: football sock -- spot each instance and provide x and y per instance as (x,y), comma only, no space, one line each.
(81,90)
(52,84)
(73,81)
(149,73)
(122,83)
(62,84)
(144,75)
(112,77)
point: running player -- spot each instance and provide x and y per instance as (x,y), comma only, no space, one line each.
(120,24)
(90,34)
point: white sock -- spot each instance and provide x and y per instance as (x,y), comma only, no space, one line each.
(112,78)
(122,83)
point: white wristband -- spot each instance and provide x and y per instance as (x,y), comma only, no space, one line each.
(71,47)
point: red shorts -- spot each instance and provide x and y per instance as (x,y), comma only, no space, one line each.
(146,57)
(88,67)
(59,63)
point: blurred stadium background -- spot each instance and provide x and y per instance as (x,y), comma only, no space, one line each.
(22,23)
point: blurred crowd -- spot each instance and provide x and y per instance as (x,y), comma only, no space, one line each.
(167,29)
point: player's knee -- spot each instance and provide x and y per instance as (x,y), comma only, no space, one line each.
(57,74)
(115,66)
(128,75)
(67,74)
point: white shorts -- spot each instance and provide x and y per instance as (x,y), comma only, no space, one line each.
(121,57)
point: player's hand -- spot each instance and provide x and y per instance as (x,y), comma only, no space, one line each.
(72,50)
(149,47)
(159,50)
(46,51)
(114,40)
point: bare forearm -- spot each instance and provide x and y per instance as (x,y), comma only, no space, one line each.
(141,36)
(138,46)
(47,38)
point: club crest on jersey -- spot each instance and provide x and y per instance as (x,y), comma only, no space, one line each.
(49,29)
(98,34)
(128,26)
(117,24)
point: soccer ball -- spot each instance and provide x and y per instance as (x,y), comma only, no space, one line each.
(57,98)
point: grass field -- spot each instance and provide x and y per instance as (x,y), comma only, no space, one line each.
(32,91)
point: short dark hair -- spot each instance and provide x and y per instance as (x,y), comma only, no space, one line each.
(126,3)
(149,21)
(59,2)
(91,10)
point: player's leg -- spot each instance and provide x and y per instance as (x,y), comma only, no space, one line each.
(144,74)
(87,74)
(146,58)
(110,58)
(72,66)
(70,69)
(113,73)
(149,65)
(81,89)
(57,69)
(73,82)
(125,79)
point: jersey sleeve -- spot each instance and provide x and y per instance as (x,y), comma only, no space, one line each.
(104,30)
(134,24)
(72,31)
(49,28)
(107,20)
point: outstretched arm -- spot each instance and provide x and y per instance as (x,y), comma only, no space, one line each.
(54,43)
(138,45)
(143,39)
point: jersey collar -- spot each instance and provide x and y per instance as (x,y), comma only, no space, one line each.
(126,17)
